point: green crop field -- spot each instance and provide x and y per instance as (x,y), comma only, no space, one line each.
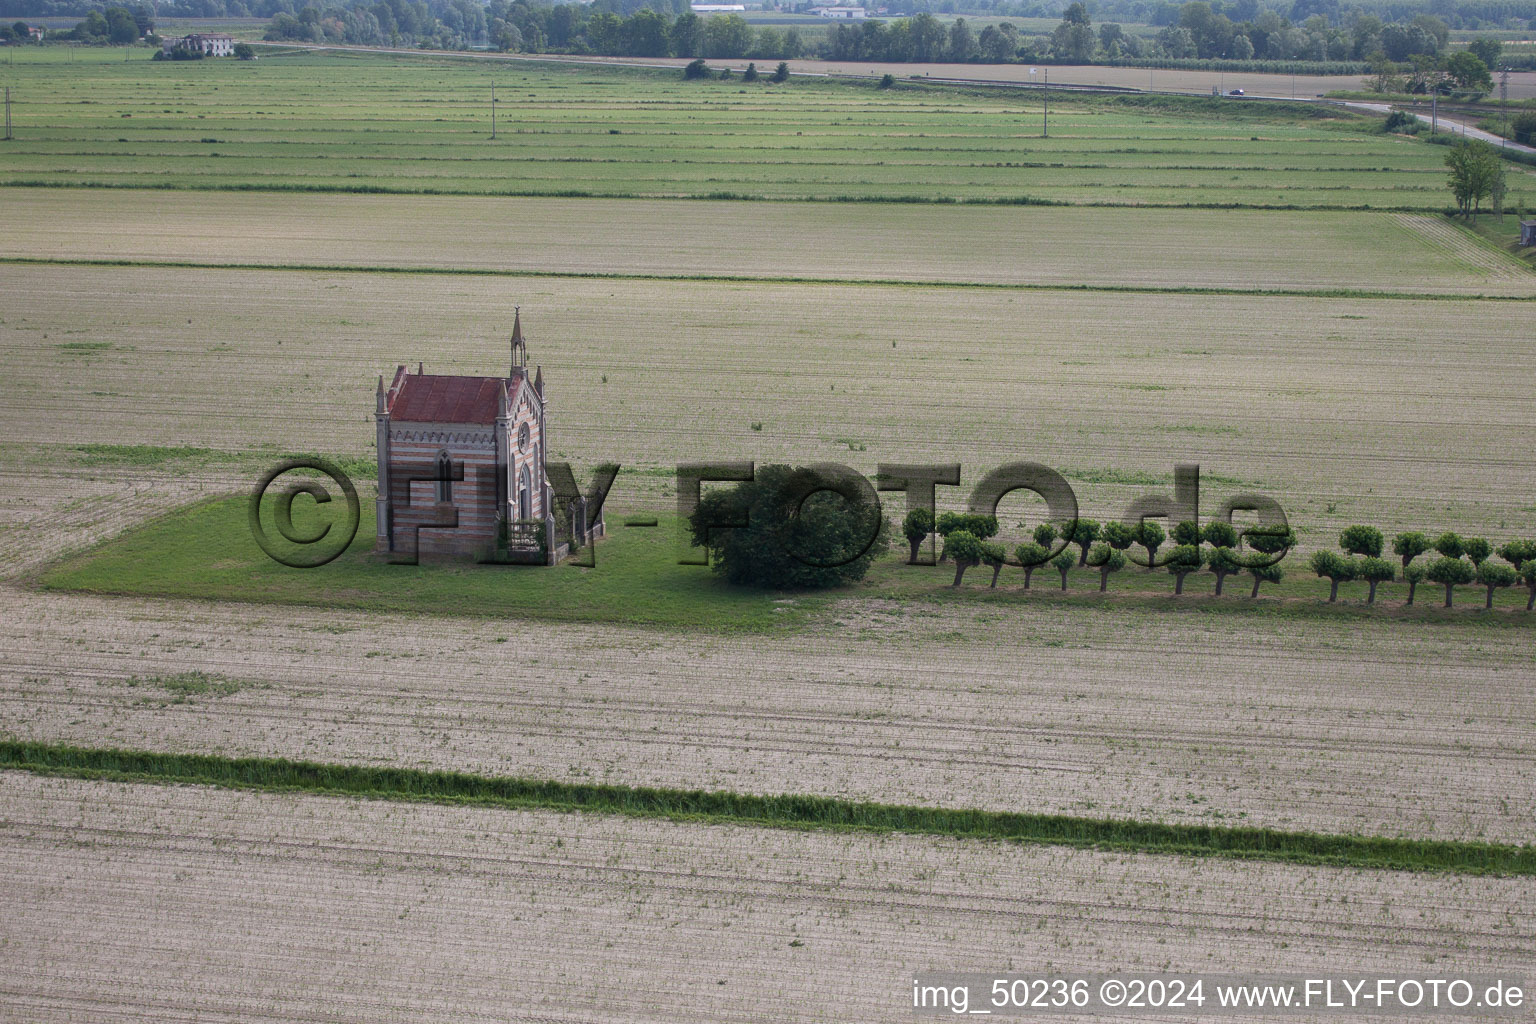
(404,124)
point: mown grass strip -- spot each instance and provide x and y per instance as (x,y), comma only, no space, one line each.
(876,282)
(787,811)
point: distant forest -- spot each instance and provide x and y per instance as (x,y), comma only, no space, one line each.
(1386,37)
(1457,14)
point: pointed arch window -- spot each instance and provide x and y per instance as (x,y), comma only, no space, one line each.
(524,494)
(444,478)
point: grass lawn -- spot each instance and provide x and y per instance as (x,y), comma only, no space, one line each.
(205,551)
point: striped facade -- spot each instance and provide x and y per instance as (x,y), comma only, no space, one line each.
(457,457)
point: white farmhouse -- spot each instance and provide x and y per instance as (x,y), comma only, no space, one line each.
(211,44)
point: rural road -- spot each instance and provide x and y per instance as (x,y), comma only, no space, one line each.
(1455,127)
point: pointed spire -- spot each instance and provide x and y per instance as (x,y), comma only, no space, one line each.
(380,407)
(519,346)
(504,406)
(538,381)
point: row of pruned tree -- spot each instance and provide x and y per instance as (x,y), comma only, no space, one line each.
(1460,562)
(968,542)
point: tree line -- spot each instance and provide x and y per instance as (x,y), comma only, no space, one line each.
(441,24)
(792,527)
(1460,562)
(1469,15)
(1214,549)
(114,26)
(1199,30)
(1463,14)
(605,27)
(1107,548)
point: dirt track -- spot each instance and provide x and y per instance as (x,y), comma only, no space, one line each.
(171,904)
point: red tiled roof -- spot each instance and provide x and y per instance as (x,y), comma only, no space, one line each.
(430,398)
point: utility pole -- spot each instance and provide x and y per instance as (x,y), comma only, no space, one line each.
(1045,117)
(1504,99)
(1434,109)
(7,113)
(493,109)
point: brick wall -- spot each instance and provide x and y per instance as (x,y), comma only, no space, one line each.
(414,451)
